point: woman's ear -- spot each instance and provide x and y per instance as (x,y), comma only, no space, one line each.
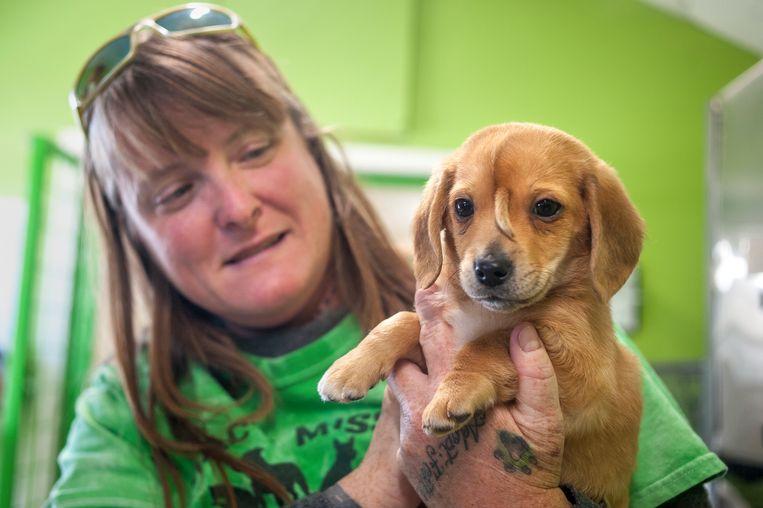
(617,230)
(428,223)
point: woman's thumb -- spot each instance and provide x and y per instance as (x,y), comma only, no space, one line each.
(538,391)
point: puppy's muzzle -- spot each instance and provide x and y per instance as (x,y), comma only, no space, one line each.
(492,271)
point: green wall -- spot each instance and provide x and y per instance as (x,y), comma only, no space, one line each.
(340,56)
(629,80)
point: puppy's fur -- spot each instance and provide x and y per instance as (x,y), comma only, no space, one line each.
(557,272)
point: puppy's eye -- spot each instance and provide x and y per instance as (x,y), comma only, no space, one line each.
(464,208)
(546,208)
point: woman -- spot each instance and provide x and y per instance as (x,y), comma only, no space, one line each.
(261,262)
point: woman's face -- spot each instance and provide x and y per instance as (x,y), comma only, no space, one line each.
(244,231)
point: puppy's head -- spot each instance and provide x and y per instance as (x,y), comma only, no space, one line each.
(517,202)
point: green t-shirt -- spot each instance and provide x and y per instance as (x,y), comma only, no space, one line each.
(308,444)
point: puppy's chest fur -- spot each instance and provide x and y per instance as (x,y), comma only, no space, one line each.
(470,320)
(586,361)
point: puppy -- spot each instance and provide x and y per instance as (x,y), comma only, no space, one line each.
(524,223)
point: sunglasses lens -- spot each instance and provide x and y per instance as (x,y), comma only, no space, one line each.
(101,65)
(193,17)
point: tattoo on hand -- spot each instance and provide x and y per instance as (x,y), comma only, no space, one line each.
(514,452)
(442,456)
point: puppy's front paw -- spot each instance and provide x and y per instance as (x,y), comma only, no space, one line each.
(350,378)
(457,399)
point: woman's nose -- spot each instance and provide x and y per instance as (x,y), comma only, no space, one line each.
(238,206)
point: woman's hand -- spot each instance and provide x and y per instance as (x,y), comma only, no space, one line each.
(378,480)
(511,455)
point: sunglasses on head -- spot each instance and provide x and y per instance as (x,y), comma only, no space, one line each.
(111,58)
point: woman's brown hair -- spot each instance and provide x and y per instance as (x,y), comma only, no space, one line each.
(222,77)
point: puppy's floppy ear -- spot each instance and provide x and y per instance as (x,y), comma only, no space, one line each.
(617,230)
(427,224)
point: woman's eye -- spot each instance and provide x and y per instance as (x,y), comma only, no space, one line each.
(255,153)
(175,194)
(464,208)
(546,208)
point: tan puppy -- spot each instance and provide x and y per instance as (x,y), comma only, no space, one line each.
(536,228)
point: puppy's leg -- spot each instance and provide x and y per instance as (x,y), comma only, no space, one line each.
(351,376)
(619,500)
(482,375)
(601,430)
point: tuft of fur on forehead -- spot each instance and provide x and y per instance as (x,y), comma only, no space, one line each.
(531,146)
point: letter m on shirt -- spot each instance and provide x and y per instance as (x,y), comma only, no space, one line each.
(304,434)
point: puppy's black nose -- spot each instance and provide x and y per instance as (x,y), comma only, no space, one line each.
(492,272)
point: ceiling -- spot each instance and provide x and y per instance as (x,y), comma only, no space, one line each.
(738,21)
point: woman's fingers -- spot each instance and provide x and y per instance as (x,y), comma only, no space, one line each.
(408,385)
(538,394)
(436,336)
(388,427)
(391,406)
(429,302)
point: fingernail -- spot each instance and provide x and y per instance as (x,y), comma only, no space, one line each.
(528,339)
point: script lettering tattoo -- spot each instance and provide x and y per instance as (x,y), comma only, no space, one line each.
(443,455)
(514,452)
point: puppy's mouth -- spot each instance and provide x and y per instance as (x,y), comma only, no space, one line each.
(506,300)
(500,303)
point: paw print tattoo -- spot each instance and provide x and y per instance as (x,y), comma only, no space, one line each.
(514,452)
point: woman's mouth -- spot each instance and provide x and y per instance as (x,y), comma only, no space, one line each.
(256,248)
